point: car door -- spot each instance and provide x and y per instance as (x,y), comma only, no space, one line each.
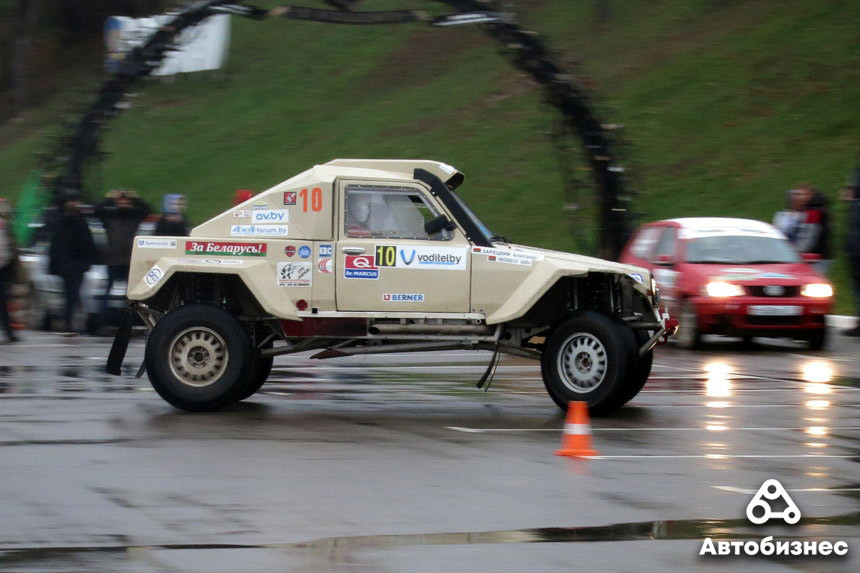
(386,260)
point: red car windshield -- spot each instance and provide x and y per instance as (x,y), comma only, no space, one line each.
(740,250)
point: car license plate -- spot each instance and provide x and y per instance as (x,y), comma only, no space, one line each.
(774,310)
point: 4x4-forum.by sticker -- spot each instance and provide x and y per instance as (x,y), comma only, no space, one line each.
(763,508)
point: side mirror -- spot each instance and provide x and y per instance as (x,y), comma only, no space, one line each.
(810,257)
(664,260)
(440,223)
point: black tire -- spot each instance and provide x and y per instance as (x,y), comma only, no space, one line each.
(640,366)
(587,359)
(688,335)
(259,374)
(817,339)
(199,358)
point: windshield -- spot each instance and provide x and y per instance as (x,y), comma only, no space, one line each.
(740,249)
(482,228)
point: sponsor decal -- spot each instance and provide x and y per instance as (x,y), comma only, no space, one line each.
(145,243)
(290,250)
(304,251)
(260,205)
(326,265)
(153,276)
(759,511)
(776,276)
(294,275)
(326,251)
(210,261)
(421,257)
(259,231)
(396,297)
(638,278)
(225,248)
(289,197)
(360,267)
(510,257)
(270,216)
(241,213)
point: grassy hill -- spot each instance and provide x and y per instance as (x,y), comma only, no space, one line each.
(726,105)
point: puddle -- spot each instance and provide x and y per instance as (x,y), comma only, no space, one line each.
(332,548)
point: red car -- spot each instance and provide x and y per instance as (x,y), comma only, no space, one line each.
(737,277)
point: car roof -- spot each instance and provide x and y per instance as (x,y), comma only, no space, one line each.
(694,227)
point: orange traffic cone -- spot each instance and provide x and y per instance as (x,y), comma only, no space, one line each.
(576,439)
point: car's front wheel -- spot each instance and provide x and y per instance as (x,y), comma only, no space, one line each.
(199,358)
(587,359)
(817,339)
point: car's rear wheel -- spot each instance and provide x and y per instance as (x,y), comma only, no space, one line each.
(199,358)
(688,335)
(587,359)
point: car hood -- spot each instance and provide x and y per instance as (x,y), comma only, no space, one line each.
(580,263)
(773,274)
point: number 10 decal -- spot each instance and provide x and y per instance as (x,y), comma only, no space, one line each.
(316,199)
(386,255)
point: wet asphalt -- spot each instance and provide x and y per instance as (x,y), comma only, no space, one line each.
(398,463)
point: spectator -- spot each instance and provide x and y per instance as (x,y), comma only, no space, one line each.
(8,264)
(72,252)
(120,213)
(851,194)
(813,232)
(789,218)
(173,222)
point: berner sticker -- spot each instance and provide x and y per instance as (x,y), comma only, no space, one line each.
(294,274)
(259,231)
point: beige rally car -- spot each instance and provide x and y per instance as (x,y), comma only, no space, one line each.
(377,256)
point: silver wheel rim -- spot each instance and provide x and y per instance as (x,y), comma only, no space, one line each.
(582,362)
(198,357)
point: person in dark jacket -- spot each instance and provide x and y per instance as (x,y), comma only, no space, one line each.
(173,222)
(120,213)
(72,253)
(851,195)
(813,232)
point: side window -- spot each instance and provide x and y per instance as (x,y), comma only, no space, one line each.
(644,242)
(389,212)
(666,246)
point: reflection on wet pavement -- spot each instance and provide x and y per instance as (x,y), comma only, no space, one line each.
(334,549)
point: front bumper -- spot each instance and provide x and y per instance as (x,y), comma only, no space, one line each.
(762,316)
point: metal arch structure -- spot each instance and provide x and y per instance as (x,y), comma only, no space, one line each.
(578,118)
